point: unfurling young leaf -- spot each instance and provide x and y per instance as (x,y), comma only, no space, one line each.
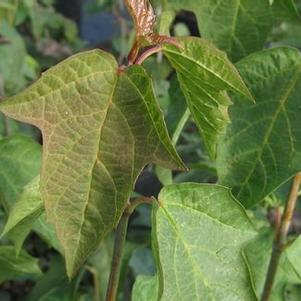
(143,15)
(144,19)
(100,128)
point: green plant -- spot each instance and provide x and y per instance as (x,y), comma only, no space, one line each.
(102,124)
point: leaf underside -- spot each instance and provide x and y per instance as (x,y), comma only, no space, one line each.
(100,128)
(261,148)
(205,75)
(192,264)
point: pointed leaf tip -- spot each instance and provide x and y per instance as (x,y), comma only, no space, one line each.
(205,75)
(100,129)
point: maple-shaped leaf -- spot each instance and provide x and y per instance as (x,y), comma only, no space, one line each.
(100,128)
(205,75)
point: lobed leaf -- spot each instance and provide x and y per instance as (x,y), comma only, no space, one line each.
(261,148)
(205,74)
(199,232)
(100,128)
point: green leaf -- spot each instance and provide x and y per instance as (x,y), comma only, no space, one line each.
(13,266)
(292,293)
(47,232)
(165,22)
(177,115)
(262,148)
(145,288)
(285,10)
(19,163)
(293,256)
(28,214)
(8,9)
(257,255)
(238,27)
(199,232)
(164,175)
(100,127)
(99,265)
(54,285)
(8,124)
(14,52)
(205,74)
(24,213)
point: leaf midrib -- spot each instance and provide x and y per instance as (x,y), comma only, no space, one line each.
(92,170)
(282,102)
(150,115)
(207,69)
(173,224)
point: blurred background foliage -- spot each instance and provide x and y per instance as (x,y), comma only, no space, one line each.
(35,35)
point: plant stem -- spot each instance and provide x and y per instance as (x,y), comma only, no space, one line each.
(120,239)
(147,54)
(281,238)
(177,133)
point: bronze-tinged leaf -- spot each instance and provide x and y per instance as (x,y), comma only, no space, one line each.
(100,128)
(144,18)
